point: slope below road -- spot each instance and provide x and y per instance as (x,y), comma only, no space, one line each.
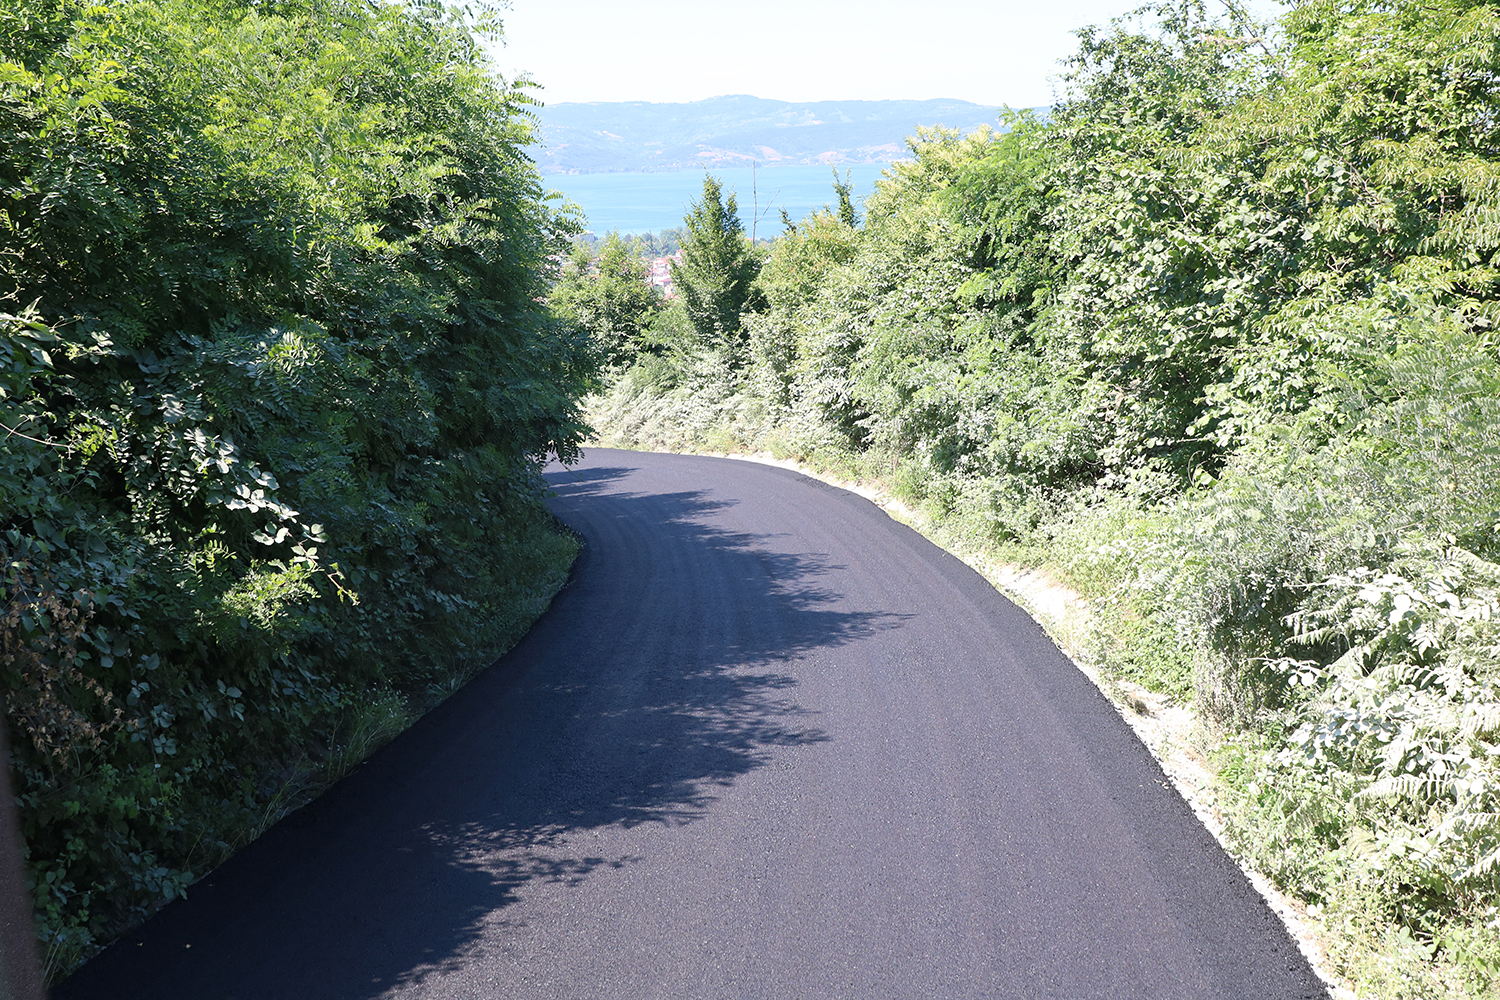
(768,744)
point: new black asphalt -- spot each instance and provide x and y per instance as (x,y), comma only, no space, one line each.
(767,745)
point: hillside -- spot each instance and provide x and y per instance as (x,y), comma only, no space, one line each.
(736,130)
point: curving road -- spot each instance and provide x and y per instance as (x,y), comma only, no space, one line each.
(768,744)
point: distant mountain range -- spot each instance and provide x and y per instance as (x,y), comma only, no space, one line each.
(736,131)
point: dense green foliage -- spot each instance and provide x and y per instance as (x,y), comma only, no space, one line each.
(275,382)
(606,294)
(1216,340)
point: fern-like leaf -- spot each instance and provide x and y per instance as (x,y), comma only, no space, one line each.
(1481,719)
(1407,786)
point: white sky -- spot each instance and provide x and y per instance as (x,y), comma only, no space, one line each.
(998,52)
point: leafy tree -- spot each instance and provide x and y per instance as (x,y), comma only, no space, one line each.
(608,295)
(795,272)
(899,326)
(1169,256)
(717,268)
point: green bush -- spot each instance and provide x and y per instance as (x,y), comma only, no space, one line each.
(275,384)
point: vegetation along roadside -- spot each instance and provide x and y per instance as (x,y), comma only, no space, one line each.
(275,384)
(1214,345)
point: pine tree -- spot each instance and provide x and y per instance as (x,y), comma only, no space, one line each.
(717,267)
(844,187)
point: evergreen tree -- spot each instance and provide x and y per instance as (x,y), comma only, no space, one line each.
(717,267)
(844,187)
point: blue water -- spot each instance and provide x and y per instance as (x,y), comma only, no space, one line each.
(649,203)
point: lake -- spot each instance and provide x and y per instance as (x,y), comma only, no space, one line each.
(649,203)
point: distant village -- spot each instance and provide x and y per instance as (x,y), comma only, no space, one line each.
(660,275)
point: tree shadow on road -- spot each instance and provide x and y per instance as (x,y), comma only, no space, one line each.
(662,674)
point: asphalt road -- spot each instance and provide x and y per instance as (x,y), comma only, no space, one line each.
(769,744)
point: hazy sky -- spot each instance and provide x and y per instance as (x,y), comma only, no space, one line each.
(996,52)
